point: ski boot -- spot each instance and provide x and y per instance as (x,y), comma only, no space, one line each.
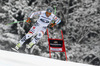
(16,48)
(28,47)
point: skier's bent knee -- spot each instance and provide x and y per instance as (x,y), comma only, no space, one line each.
(40,34)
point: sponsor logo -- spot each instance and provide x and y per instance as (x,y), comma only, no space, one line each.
(33,27)
(30,32)
(55,42)
(45,21)
(56,49)
(55,18)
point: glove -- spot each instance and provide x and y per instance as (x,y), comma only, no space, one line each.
(28,20)
(52,24)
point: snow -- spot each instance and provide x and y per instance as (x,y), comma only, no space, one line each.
(8,58)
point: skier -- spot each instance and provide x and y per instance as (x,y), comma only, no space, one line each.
(39,29)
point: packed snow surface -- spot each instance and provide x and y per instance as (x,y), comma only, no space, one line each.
(18,59)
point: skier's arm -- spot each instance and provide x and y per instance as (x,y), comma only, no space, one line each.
(32,14)
(35,13)
(57,21)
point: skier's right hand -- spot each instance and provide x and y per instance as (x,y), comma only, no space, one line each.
(52,24)
(28,20)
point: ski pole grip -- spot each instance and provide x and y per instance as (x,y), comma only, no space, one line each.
(28,20)
(52,24)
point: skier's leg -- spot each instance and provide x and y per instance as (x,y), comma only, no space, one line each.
(31,32)
(36,39)
(27,36)
(39,36)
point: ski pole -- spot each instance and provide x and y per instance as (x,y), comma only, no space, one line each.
(19,21)
(54,12)
(16,22)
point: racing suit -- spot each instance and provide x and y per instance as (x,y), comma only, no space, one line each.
(39,28)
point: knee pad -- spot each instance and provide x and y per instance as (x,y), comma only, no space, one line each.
(38,37)
(28,35)
(40,34)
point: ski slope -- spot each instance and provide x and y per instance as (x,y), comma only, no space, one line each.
(18,59)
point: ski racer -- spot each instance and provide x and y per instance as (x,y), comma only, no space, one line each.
(39,28)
